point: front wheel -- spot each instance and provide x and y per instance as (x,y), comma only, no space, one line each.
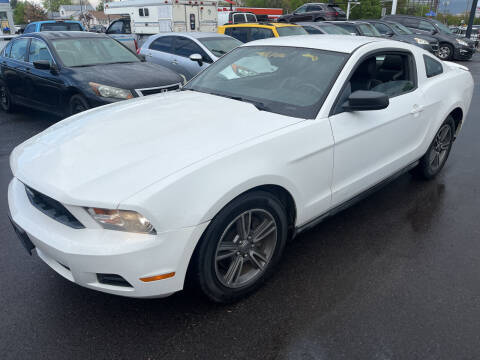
(445,52)
(77,104)
(434,160)
(5,98)
(241,247)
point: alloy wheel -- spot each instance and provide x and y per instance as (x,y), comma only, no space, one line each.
(4,99)
(441,145)
(444,52)
(245,248)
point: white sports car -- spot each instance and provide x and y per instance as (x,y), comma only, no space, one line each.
(210,182)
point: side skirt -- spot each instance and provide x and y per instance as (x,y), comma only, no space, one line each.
(354,200)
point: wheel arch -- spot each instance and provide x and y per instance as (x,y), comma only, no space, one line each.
(457,115)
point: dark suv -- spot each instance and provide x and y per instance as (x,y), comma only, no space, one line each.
(314,12)
(450,47)
(396,31)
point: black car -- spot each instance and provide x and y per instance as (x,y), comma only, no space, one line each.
(314,12)
(450,45)
(361,28)
(68,72)
(397,31)
(322,28)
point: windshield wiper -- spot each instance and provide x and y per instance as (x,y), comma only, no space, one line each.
(258,104)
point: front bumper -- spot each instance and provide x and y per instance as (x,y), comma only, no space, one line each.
(463,52)
(80,255)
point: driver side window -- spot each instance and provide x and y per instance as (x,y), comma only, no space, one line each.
(391,73)
(301,10)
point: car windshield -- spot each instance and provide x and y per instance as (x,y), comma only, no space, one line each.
(90,51)
(284,80)
(369,30)
(291,30)
(61,26)
(402,30)
(219,46)
(334,30)
(443,28)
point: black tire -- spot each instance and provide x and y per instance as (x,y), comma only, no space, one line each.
(6,103)
(445,51)
(205,264)
(428,167)
(77,104)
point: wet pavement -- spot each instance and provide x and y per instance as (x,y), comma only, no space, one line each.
(394,277)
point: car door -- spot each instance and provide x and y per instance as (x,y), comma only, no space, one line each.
(300,14)
(312,11)
(15,68)
(372,145)
(160,51)
(183,48)
(44,87)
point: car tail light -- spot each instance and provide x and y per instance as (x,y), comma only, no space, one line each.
(136,46)
(336,13)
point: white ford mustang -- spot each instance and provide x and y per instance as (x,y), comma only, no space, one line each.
(210,182)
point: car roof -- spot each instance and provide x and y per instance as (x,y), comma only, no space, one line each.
(52,35)
(54,21)
(260,24)
(315,23)
(338,43)
(353,22)
(193,35)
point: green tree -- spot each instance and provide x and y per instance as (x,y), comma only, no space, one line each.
(54,5)
(19,13)
(100,6)
(368,9)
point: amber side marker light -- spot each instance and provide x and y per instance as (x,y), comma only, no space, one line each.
(158,277)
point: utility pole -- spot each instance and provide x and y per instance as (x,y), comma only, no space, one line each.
(394,7)
(473,10)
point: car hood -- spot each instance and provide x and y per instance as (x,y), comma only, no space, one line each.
(130,76)
(105,155)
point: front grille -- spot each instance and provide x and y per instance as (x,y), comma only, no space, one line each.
(52,208)
(113,279)
(158,90)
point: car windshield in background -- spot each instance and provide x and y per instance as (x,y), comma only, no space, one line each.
(291,30)
(334,30)
(401,29)
(60,26)
(443,27)
(219,46)
(369,30)
(92,51)
(284,80)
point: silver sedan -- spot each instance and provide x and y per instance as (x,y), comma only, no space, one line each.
(187,53)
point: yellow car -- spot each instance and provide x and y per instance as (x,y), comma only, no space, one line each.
(256,31)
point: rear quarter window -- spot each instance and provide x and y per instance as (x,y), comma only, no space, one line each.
(432,66)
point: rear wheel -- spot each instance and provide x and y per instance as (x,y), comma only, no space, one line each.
(5,98)
(78,104)
(241,247)
(434,160)
(445,51)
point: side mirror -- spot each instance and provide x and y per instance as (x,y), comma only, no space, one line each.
(389,33)
(434,31)
(198,58)
(363,100)
(42,64)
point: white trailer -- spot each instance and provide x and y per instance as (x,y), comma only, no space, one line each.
(157,16)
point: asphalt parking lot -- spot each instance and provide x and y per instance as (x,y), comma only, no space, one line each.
(394,277)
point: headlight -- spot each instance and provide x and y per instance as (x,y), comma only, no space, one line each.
(122,220)
(421,41)
(461,42)
(110,91)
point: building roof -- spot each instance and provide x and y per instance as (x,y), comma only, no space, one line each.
(338,43)
(86,7)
